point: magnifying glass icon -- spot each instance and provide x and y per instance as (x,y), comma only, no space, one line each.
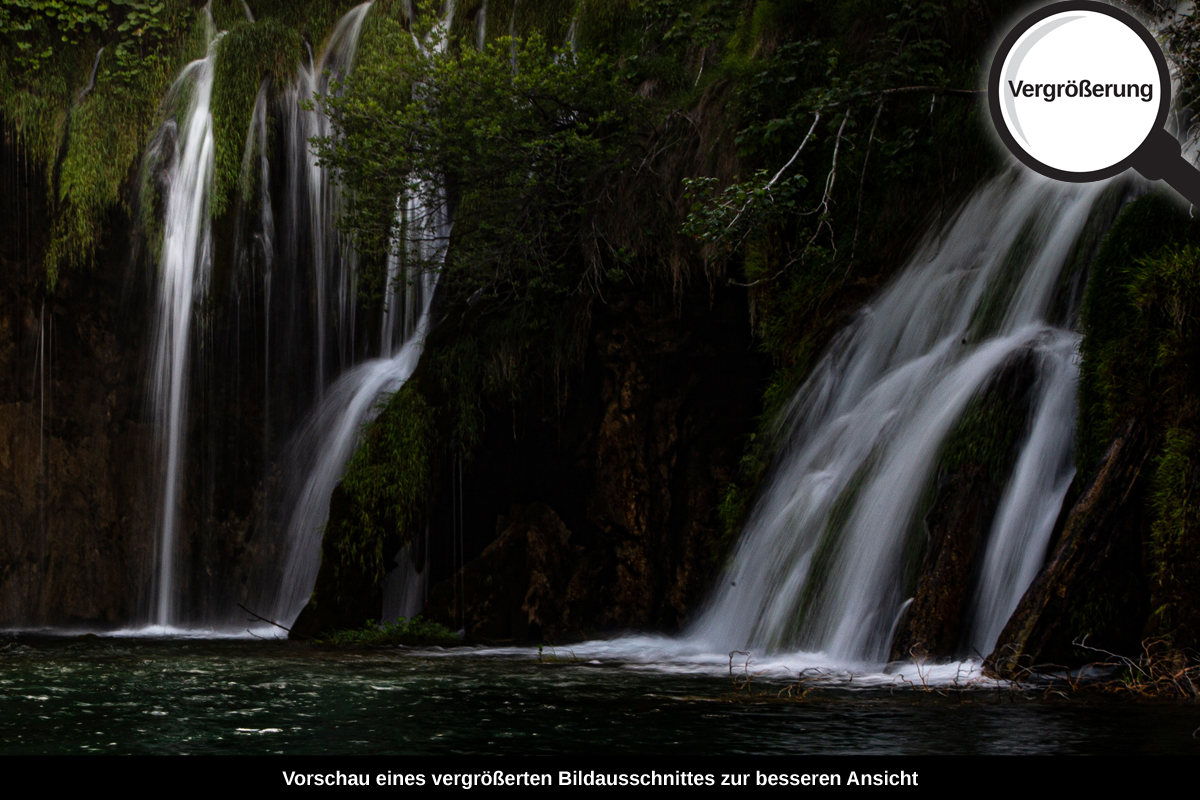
(1079,92)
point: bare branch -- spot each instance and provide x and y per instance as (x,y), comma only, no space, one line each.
(264,619)
(861,182)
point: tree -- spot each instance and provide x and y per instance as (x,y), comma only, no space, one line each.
(514,143)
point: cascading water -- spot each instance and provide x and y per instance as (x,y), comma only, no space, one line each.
(290,281)
(282,337)
(331,432)
(186,258)
(481,26)
(325,444)
(313,202)
(825,562)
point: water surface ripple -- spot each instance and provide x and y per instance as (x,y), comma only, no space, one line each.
(109,695)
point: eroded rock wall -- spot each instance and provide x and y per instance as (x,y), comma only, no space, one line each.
(73,536)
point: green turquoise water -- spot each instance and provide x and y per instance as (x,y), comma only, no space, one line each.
(67,695)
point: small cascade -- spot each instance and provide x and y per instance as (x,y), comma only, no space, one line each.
(573,32)
(229,346)
(825,563)
(1032,499)
(406,588)
(325,443)
(313,203)
(183,273)
(41,389)
(320,451)
(481,26)
(329,436)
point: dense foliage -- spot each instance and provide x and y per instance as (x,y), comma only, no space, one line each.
(248,55)
(774,145)
(516,139)
(80,83)
(387,483)
(1141,339)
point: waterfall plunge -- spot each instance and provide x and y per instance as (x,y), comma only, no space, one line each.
(309,260)
(326,441)
(821,564)
(183,276)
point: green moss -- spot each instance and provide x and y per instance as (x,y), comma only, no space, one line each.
(88,141)
(464,27)
(604,24)
(414,631)
(988,433)
(1137,311)
(387,483)
(1116,376)
(88,147)
(829,545)
(227,13)
(1173,546)
(550,18)
(997,296)
(312,20)
(1142,326)
(1103,213)
(735,504)
(37,111)
(246,56)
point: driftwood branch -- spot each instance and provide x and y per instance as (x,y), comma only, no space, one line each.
(861,183)
(261,617)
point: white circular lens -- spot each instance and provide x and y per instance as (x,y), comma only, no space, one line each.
(1080,91)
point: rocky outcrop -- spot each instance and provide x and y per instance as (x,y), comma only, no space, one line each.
(958,523)
(633,462)
(528,584)
(974,466)
(74,541)
(1093,586)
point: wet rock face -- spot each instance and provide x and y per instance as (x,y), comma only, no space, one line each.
(77,482)
(934,622)
(1094,585)
(74,539)
(633,462)
(975,464)
(526,585)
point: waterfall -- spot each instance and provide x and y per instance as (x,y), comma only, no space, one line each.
(826,559)
(183,273)
(313,202)
(573,31)
(293,286)
(328,437)
(325,444)
(1031,501)
(481,27)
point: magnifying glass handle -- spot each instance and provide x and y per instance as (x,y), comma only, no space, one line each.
(1159,159)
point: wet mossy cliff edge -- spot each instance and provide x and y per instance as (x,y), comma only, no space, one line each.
(1122,572)
(74,532)
(594,480)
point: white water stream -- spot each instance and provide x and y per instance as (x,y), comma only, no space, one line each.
(320,273)
(184,266)
(821,566)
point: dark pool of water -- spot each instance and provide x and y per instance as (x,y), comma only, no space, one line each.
(63,695)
